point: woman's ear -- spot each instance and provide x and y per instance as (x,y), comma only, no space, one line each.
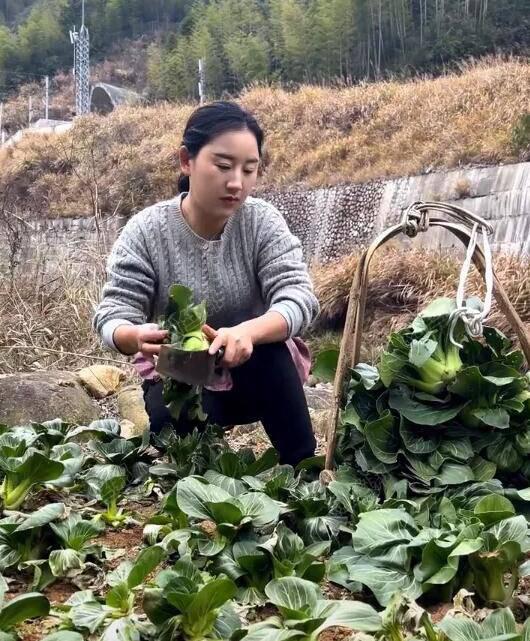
(184,160)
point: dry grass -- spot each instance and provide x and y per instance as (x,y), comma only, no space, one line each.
(322,135)
(401,283)
(318,136)
(44,306)
(53,308)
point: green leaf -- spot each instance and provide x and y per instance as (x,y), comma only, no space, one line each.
(367,374)
(460,629)
(457,448)
(390,364)
(514,528)
(89,615)
(454,474)
(120,598)
(504,454)
(272,631)
(42,516)
(293,596)
(416,440)
(179,297)
(225,513)
(439,308)
(33,469)
(265,462)
(482,469)
(498,626)
(98,475)
(498,417)
(326,365)
(120,574)
(72,461)
(471,384)
(193,497)
(261,509)
(111,489)
(383,438)
(156,607)
(384,577)
(103,428)
(498,342)
(420,413)
(121,630)
(116,451)
(348,614)
(382,529)
(147,561)
(421,350)
(201,614)
(493,508)
(62,561)
(498,623)
(226,623)
(522,441)
(233,486)
(74,532)
(23,607)
(63,635)
(526,631)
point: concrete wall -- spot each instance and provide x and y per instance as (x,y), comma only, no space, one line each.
(57,240)
(501,195)
(335,221)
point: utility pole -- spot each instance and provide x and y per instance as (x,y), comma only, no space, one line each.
(30,110)
(2,137)
(81,43)
(47,98)
(201,82)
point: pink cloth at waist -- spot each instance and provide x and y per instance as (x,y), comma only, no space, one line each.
(298,349)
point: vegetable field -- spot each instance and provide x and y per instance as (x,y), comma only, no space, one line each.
(422,534)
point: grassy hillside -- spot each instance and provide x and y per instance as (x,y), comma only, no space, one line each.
(317,136)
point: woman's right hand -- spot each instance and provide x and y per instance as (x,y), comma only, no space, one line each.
(146,338)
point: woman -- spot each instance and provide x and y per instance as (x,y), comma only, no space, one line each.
(236,253)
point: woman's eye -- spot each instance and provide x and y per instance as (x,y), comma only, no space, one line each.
(224,167)
(249,171)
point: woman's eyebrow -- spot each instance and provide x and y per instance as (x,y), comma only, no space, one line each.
(232,158)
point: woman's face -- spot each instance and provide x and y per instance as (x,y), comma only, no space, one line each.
(223,173)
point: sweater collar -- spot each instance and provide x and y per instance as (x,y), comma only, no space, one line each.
(185,229)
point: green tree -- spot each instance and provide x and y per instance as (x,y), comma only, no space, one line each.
(8,52)
(42,40)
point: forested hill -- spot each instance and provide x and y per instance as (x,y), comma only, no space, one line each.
(242,41)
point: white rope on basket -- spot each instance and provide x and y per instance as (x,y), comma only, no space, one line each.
(415,219)
(473,318)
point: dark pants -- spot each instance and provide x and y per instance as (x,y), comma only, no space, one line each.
(266,388)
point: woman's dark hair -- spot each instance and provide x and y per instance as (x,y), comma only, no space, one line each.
(212,120)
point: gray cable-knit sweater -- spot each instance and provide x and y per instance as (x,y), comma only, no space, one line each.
(256,265)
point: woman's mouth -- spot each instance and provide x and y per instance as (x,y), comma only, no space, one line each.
(230,200)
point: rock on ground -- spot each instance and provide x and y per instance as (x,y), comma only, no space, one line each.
(101,380)
(132,409)
(319,397)
(43,396)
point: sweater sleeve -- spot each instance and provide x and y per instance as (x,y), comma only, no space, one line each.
(283,275)
(129,292)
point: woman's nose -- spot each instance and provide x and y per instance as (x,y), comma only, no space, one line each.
(235,182)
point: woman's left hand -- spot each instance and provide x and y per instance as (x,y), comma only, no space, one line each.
(236,341)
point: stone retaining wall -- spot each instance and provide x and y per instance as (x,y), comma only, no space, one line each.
(330,222)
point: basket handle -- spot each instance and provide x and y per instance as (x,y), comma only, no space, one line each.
(350,346)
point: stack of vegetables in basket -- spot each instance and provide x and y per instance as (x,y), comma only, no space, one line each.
(436,414)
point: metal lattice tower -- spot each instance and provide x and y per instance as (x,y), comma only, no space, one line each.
(81,42)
